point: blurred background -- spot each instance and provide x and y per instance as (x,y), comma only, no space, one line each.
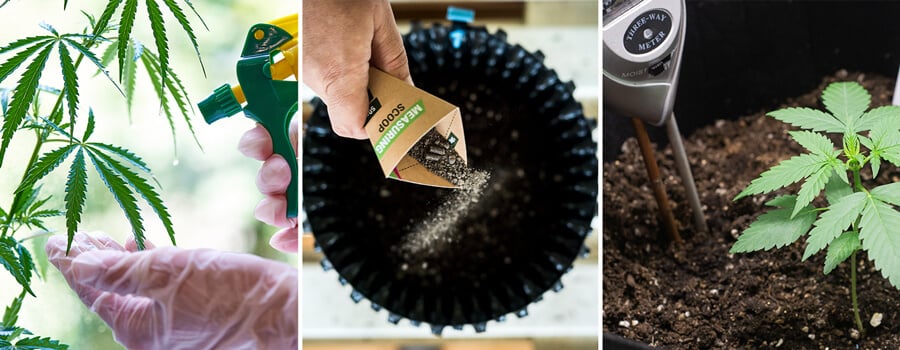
(566,32)
(211,193)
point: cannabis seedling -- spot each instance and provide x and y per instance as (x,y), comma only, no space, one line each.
(856,217)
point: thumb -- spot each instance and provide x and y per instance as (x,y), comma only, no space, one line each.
(346,98)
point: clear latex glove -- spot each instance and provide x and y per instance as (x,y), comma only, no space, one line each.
(272,180)
(341,40)
(171,298)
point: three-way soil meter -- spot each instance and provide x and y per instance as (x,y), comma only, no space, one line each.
(642,47)
(523,126)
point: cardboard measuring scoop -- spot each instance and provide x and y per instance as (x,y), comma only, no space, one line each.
(399,116)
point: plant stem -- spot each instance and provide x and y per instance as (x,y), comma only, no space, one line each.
(857,181)
(859,325)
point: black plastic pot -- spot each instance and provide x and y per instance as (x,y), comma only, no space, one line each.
(521,124)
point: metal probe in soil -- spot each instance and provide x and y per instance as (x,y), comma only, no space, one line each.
(684,169)
(662,200)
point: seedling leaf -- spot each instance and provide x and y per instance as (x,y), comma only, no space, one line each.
(785,173)
(847,101)
(889,193)
(840,249)
(808,118)
(835,190)
(876,116)
(811,188)
(833,222)
(878,239)
(814,142)
(775,228)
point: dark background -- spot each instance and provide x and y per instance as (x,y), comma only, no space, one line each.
(743,57)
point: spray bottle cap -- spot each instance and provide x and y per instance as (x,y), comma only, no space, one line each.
(220,104)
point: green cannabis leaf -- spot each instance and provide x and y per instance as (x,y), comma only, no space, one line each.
(109,162)
(158,27)
(34,343)
(856,218)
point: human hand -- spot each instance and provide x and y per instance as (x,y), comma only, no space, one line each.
(171,298)
(272,180)
(338,52)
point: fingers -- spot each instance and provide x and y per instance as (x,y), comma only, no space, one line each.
(345,95)
(131,244)
(256,143)
(388,53)
(272,209)
(274,175)
(151,273)
(286,240)
(336,57)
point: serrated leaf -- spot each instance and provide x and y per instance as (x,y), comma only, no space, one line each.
(785,173)
(191,5)
(108,54)
(91,57)
(122,194)
(835,190)
(26,261)
(103,20)
(22,97)
(814,142)
(11,314)
(875,162)
(840,249)
(38,343)
(179,95)
(60,130)
(833,222)
(144,189)
(46,26)
(126,23)
(775,228)
(70,82)
(889,193)
(811,188)
(23,42)
(847,101)
(12,264)
(808,118)
(186,25)
(89,130)
(44,166)
(158,26)
(14,62)
(130,77)
(153,71)
(76,193)
(882,244)
(124,153)
(876,116)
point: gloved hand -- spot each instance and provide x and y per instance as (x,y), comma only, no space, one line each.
(338,52)
(272,180)
(171,298)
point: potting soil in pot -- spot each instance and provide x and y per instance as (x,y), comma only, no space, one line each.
(519,219)
(700,297)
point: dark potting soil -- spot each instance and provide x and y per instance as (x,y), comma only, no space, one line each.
(698,296)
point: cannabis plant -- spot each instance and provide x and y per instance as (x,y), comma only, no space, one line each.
(857,216)
(49,115)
